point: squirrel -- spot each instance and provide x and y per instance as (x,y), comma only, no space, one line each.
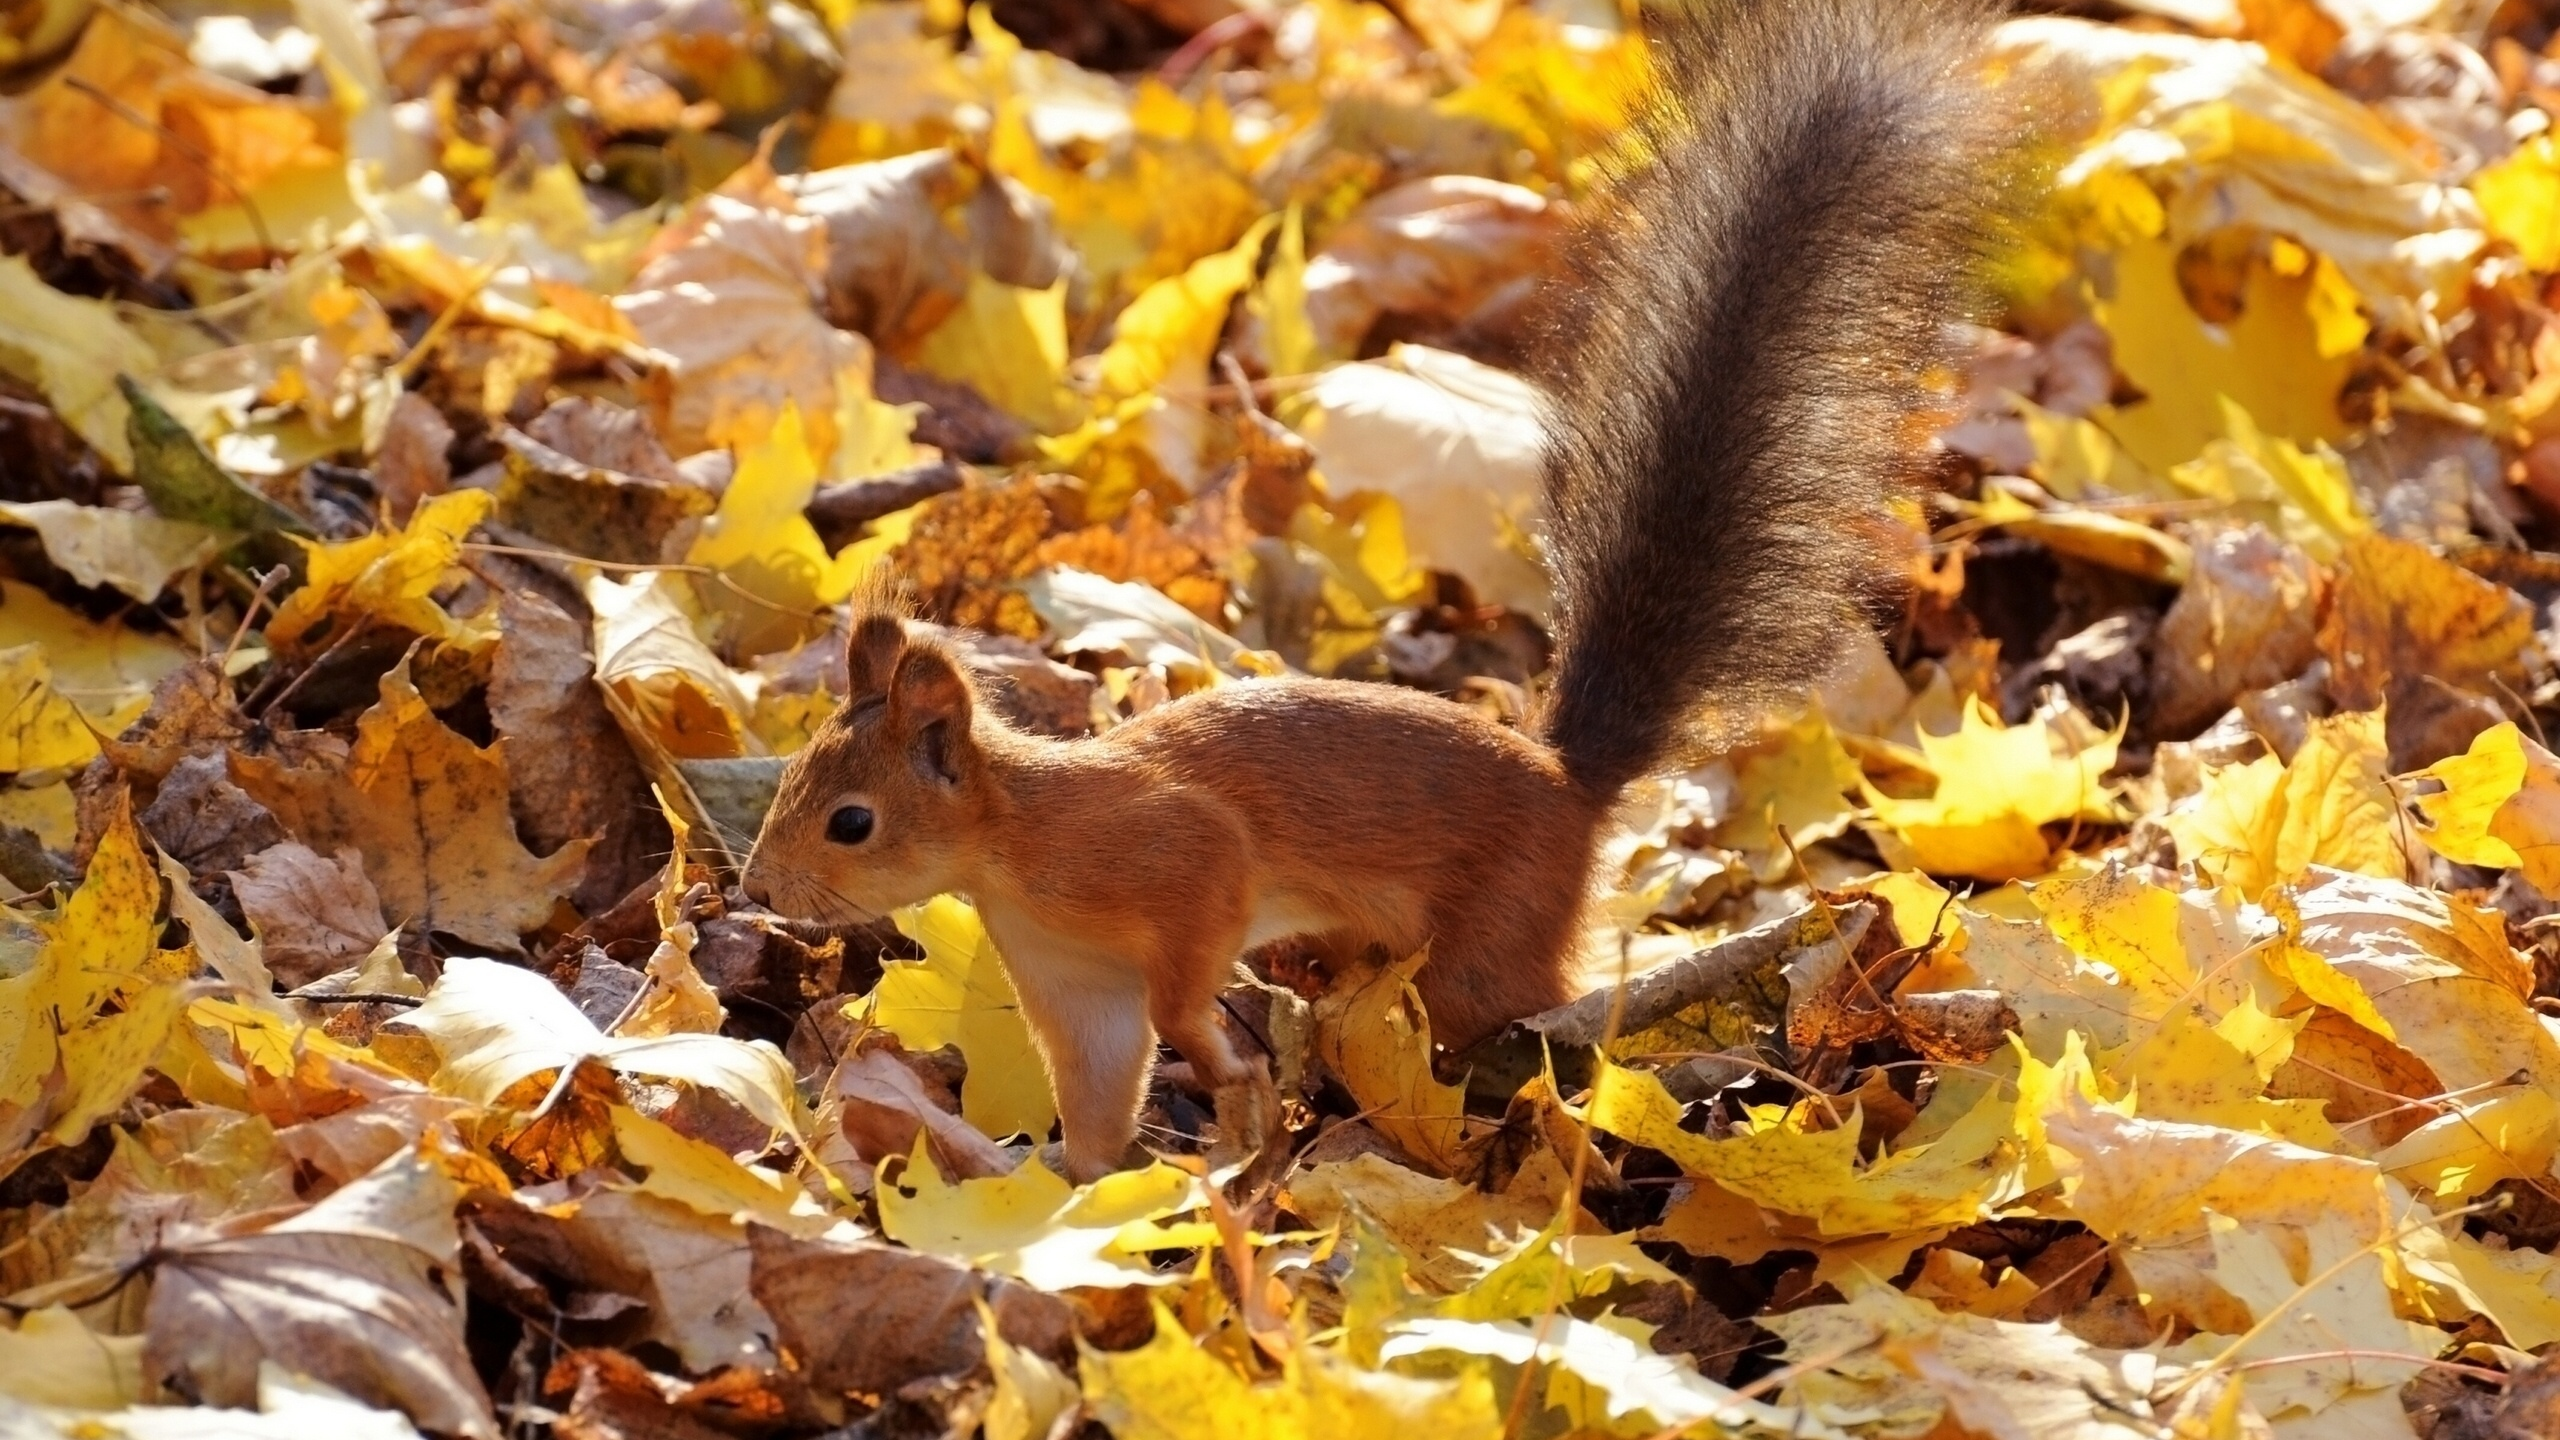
(1736,363)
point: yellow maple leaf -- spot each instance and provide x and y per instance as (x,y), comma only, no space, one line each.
(2302,494)
(1034,1226)
(1372,1032)
(2454,1275)
(429,811)
(1161,342)
(106,670)
(2520,197)
(64,1065)
(1008,343)
(1174,1388)
(2216,1073)
(2508,1134)
(1997,787)
(1800,783)
(958,994)
(2264,822)
(2500,806)
(1781,1164)
(388,576)
(2268,361)
(1114,212)
(39,730)
(760,540)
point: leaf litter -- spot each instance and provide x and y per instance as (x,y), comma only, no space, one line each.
(2116,1004)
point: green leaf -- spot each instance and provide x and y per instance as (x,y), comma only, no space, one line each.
(183,481)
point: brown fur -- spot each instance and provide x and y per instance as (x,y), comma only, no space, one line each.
(1730,391)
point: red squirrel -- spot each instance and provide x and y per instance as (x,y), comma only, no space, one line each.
(1736,370)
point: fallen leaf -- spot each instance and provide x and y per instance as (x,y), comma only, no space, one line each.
(1781,1164)
(64,1063)
(360,1291)
(1032,1226)
(2266,821)
(51,1358)
(313,915)
(1370,1030)
(958,994)
(733,309)
(1449,1227)
(387,577)
(865,1317)
(495,1025)
(1997,787)
(571,775)
(2400,613)
(428,811)
(884,1106)
(73,349)
(1456,444)
(2520,198)
(135,553)
(1172,1389)
(2497,807)
(71,145)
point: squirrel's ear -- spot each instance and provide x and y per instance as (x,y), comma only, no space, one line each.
(871,653)
(930,700)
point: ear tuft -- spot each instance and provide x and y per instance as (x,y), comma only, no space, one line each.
(871,652)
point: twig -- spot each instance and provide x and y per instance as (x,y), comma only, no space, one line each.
(323,658)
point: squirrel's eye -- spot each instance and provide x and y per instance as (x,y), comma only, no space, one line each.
(850,825)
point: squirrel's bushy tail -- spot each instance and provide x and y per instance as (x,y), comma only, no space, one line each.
(1736,373)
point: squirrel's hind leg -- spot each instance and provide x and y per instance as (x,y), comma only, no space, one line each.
(1496,955)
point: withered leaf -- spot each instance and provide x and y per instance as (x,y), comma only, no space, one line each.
(314,914)
(428,811)
(359,1291)
(571,771)
(864,1316)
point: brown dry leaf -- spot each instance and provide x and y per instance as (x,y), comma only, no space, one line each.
(1447,1226)
(314,915)
(412,463)
(2246,619)
(1458,254)
(591,478)
(428,811)
(861,1315)
(895,269)
(734,308)
(361,1291)
(882,1104)
(688,1269)
(571,772)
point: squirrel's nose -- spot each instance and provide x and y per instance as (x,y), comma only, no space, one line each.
(756,888)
